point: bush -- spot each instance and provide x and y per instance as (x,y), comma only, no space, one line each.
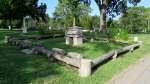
(118,33)
(42,28)
(57,31)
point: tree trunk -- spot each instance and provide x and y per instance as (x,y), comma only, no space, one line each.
(74,21)
(103,24)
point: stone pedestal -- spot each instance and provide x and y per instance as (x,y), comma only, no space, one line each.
(74,36)
(85,68)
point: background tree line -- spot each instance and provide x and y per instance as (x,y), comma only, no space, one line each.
(13,11)
(77,12)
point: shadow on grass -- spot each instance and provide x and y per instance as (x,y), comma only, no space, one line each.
(60,43)
(88,49)
(107,60)
(18,68)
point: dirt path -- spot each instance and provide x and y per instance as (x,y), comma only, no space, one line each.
(136,74)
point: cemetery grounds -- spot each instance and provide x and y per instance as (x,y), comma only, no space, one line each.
(19,68)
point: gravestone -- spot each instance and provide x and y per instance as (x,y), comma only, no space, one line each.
(74,36)
(135,39)
(9,27)
(6,39)
(24,28)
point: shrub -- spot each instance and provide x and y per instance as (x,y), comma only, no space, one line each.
(117,33)
(42,28)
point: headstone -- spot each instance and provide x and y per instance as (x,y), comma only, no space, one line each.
(6,39)
(49,28)
(9,27)
(92,40)
(135,39)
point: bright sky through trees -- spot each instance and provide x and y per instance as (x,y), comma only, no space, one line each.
(52,4)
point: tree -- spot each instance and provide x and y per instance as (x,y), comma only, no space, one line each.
(17,9)
(70,10)
(135,19)
(111,7)
(89,22)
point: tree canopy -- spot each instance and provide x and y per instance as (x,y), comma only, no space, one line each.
(112,8)
(136,19)
(68,11)
(17,9)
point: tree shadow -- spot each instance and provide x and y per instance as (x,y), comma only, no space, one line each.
(88,48)
(60,43)
(18,68)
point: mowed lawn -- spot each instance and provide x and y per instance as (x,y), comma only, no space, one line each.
(18,68)
(88,50)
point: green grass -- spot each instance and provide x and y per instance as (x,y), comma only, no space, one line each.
(18,68)
(8,33)
(88,49)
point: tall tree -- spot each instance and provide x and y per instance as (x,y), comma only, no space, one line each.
(70,10)
(111,7)
(17,9)
(136,19)
(90,22)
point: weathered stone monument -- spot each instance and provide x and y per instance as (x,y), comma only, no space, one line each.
(24,28)
(74,36)
(28,22)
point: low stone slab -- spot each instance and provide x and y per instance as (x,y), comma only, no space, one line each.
(24,44)
(74,55)
(27,51)
(58,51)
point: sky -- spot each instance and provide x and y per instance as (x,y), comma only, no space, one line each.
(51,4)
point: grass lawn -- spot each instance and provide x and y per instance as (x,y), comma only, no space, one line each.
(88,49)
(4,33)
(18,68)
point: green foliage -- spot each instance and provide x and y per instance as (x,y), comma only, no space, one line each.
(115,7)
(117,33)
(18,9)
(85,21)
(135,19)
(68,10)
(14,23)
(57,31)
(18,68)
(42,28)
(111,8)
